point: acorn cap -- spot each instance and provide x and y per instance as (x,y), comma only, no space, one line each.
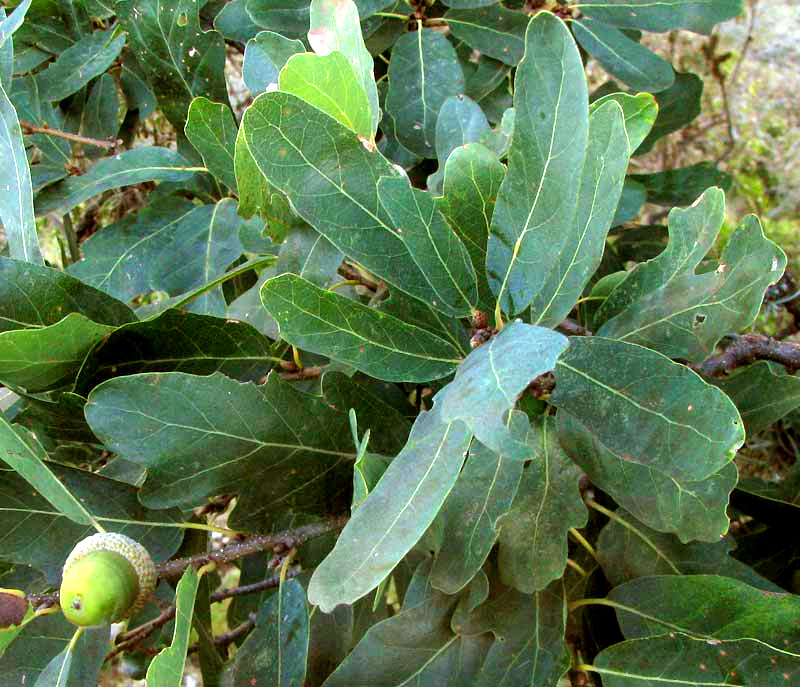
(107,577)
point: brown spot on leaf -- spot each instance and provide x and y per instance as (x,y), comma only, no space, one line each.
(12,609)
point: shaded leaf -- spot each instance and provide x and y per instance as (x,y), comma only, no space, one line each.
(234,23)
(166,669)
(129,167)
(389,428)
(416,646)
(28,655)
(30,107)
(684,185)
(494,31)
(655,494)
(699,16)
(763,392)
(646,408)
(79,64)
(16,194)
(472,178)
(139,253)
(252,187)
(304,253)
(529,646)
(276,651)
(21,450)
(37,359)
(677,106)
(730,610)
(342,329)
(79,664)
(288,17)
(329,84)
(178,341)
(678,660)
(533,533)
(623,58)
(264,57)
(423,72)
(665,305)
(395,514)
(460,121)
(101,114)
(331,180)
(178,59)
(631,550)
(491,378)
(211,129)
(38,534)
(472,512)
(32,297)
(631,201)
(200,436)
(546,156)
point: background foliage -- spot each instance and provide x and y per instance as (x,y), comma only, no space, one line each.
(415,342)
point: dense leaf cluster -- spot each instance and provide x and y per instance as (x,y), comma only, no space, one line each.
(414,312)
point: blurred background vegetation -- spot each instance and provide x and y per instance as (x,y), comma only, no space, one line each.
(750,119)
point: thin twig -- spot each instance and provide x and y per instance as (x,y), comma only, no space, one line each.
(746,45)
(130,639)
(281,541)
(28,128)
(746,349)
(231,636)
(138,634)
(572,328)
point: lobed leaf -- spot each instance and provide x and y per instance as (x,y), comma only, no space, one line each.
(129,167)
(533,533)
(665,305)
(647,409)
(200,436)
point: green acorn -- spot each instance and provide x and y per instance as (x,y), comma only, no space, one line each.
(106,578)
